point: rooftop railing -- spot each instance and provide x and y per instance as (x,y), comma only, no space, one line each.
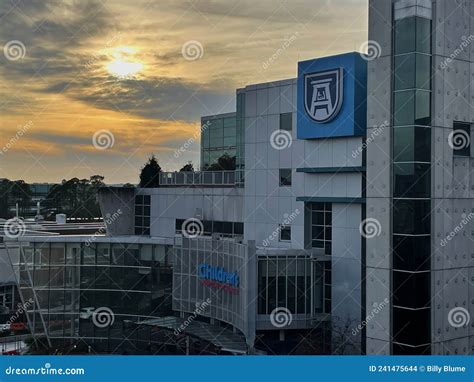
(200,178)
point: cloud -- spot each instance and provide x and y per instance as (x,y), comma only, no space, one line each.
(156,98)
(63,85)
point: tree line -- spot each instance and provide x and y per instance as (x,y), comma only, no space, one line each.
(77,198)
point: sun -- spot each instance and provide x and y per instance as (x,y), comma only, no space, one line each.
(124,63)
(124,69)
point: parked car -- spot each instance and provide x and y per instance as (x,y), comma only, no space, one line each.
(18,328)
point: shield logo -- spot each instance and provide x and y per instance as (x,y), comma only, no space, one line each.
(324,94)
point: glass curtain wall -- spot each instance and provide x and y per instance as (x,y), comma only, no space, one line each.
(411,186)
(240,138)
(218,138)
(295,283)
(126,282)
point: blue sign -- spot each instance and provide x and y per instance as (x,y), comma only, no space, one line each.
(218,275)
(324,93)
(101,368)
(332,97)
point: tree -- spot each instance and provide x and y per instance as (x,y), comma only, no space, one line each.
(150,174)
(187,167)
(345,339)
(224,163)
(76,198)
(11,193)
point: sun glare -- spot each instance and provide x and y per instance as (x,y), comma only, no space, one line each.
(124,69)
(124,63)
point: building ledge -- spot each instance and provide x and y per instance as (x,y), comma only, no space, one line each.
(331,170)
(318,199)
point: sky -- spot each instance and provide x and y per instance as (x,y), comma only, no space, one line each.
(96,86)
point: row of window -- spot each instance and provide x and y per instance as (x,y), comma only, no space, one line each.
(41,255)
(222,132)
(209,227)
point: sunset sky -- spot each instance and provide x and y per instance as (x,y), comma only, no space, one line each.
(71,70)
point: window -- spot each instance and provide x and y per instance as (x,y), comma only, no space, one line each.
(285,233)
(411,253)
(412,34)
(228,229)
(285,282)
(412,71)
(412,108)
(412,144)
(411,217)
(327,287)
(142,214)
(411,327)
(321,226)
(412,180)
(285,177)
(460,140)
(404,283)
(286,121)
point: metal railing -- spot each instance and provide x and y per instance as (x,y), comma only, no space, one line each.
(200,178)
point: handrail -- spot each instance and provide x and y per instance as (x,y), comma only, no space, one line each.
(199,178)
